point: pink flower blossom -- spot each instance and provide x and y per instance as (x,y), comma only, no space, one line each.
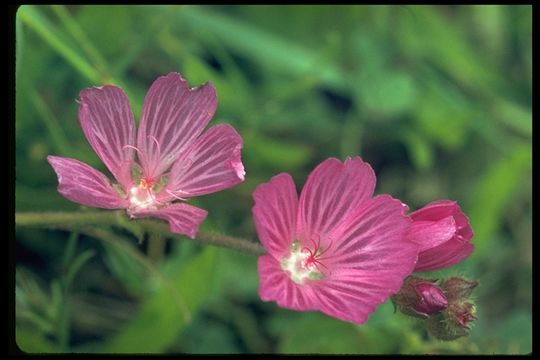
(443,234)
(169,158)
(338,249)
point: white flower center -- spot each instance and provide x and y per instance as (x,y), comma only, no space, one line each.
(302,264)
(142,196)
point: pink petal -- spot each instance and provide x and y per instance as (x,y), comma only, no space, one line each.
(173,116)
(275,285)
(373,239)
(443,256)
(446,251)
(435,210)
(85,185)
(352,294)
(210,164)
(443,208)
(428,234)
(183,218)
(275,214)
(331,192)
(107,121)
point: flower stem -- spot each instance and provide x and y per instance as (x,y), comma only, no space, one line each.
(156,247)
(71,220)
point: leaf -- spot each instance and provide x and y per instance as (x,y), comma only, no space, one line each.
(514,116)
(31,16)
(419,149)
(275,153)
(125,268)
(160,320)
(265,48)
(494,191)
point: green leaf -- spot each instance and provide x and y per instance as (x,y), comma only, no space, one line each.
(494,191)
(31,16)
(386,92)
(126,268)
(161,318)
(277,154)
(514,116)
(265,48)
(419,150)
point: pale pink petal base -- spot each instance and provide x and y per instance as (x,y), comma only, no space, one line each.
(212,163)
(183,218)
(85,185)
(275,285)
(274,214)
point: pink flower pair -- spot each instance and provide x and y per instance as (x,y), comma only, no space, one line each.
(336,249)
(341,251)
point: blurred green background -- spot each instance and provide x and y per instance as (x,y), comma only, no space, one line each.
(436,98)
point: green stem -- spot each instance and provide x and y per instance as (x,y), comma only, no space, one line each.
(70,221)
(156,247)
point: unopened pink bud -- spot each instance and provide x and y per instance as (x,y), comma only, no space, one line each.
(420,297)
(432,299)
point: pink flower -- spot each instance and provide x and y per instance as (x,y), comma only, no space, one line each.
(337,249)
(442,232)
(168,159)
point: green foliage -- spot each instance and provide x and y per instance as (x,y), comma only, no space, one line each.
(168,309)
(437,98)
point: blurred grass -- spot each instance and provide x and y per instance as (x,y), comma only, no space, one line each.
(436,98)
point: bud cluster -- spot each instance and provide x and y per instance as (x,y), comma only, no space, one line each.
(445,306)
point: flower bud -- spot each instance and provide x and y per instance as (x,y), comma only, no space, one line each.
(443,233)
(420,298)
(452,323)
(456,288)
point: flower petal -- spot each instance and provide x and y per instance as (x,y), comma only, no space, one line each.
(428,234)
(435,210)
(210,164)
(275,285)
(183,218)
(442,208)
(274,213)
(443,256)
(373,239)
(107,121)
(173,116)
(85,185)
(331,192)
(353,294)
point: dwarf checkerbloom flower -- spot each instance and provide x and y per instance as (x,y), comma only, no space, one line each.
(168,160)
(337,249)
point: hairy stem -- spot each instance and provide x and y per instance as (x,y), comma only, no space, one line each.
(71,220)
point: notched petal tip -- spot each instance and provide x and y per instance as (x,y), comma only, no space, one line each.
(236,163)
